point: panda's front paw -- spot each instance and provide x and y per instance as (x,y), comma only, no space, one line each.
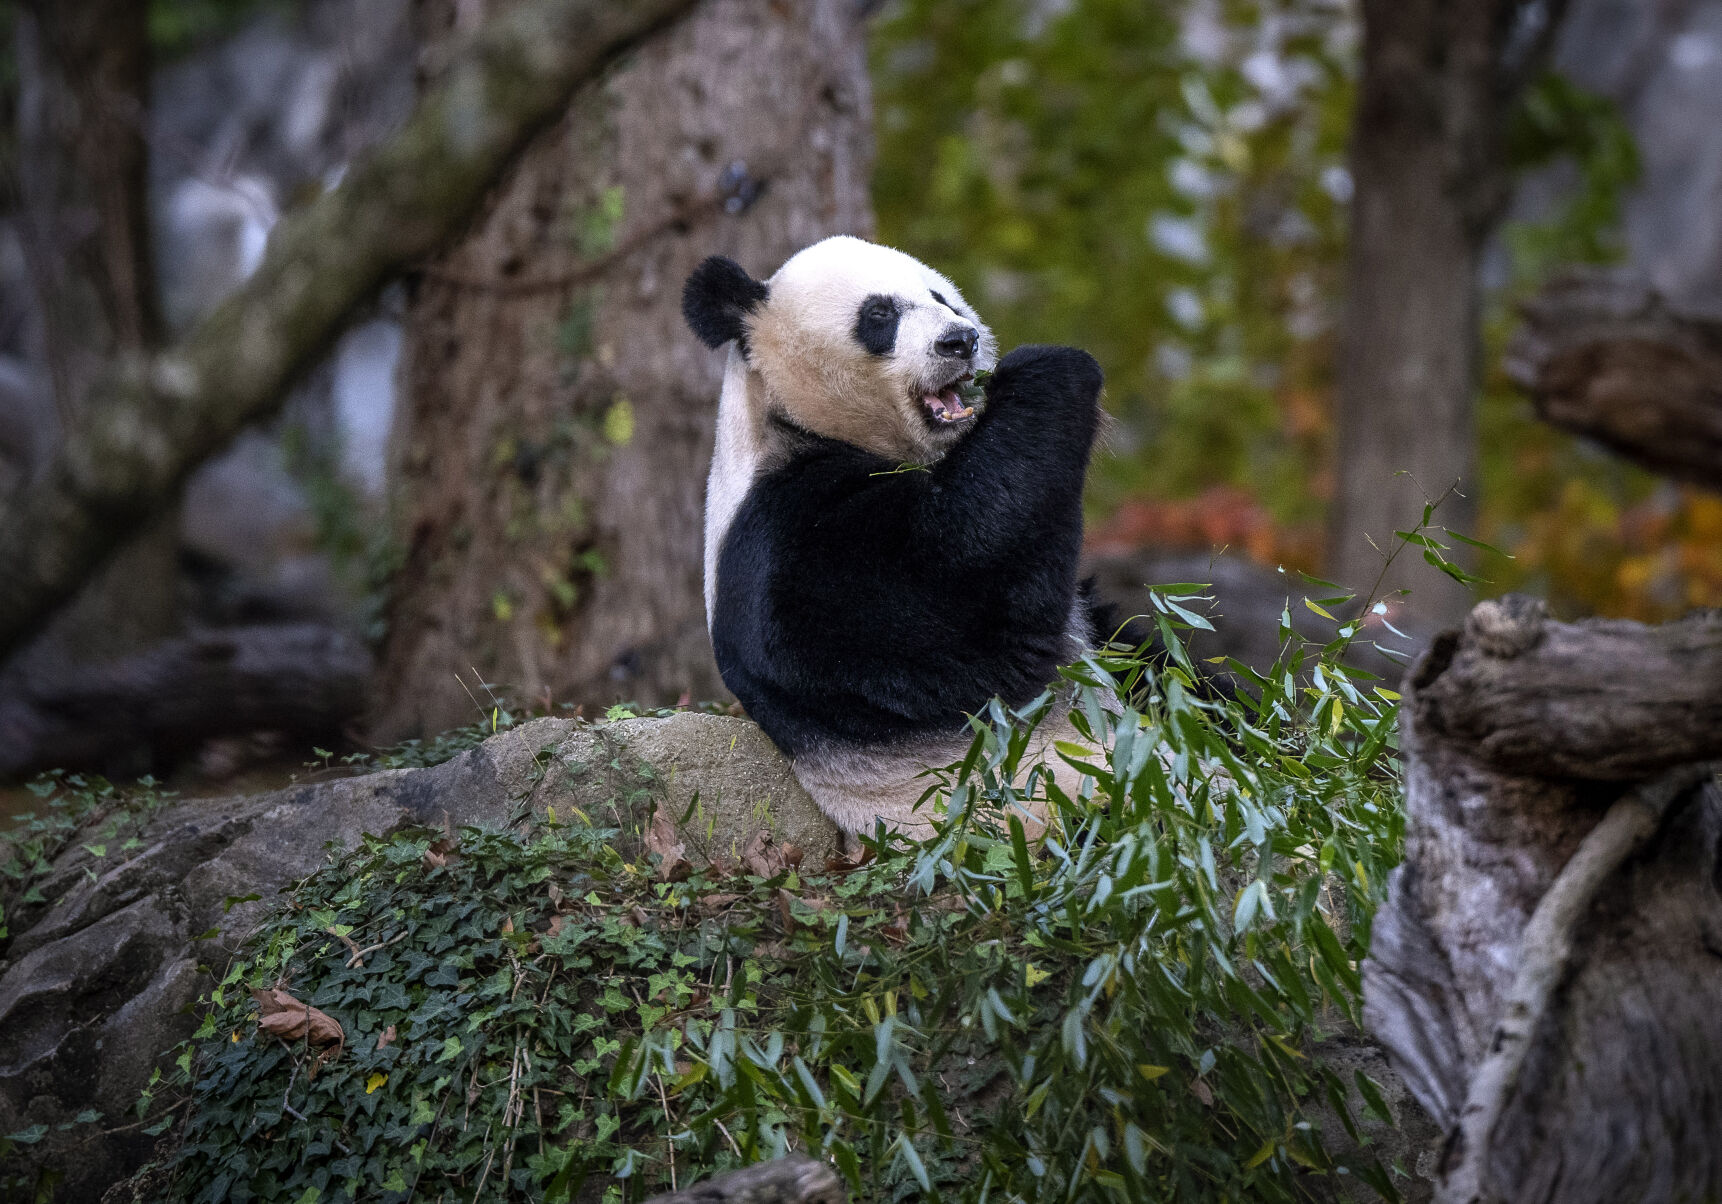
(1043,369)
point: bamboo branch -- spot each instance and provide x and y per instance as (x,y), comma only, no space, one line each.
(148,423)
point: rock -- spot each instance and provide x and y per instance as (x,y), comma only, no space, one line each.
(94,985)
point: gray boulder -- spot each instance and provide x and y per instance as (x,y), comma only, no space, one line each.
(95,984)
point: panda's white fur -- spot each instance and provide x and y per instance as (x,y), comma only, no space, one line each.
(820,387)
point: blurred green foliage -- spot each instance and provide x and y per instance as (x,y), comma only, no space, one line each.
(178,26)
(1165,185)
(1162,184)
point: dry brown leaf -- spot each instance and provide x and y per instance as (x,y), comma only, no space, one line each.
(1202,1092)
(555,928)
(291,1020)
(665,839)
(507,925)
(897,931)
(715,902)
(387,1037)
(785,913)
(763,857)
(442,849)
(847,863)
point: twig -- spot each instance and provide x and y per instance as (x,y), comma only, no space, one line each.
(669,1124)
(734,1148)
(687,215)
(1546,955)
(359,955)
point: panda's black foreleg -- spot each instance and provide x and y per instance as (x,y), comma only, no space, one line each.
(1014,485)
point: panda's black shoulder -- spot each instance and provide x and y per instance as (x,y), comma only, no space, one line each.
(811,474)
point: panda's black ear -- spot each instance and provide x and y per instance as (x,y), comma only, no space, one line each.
(716,297)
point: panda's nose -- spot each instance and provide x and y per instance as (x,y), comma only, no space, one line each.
(957,343)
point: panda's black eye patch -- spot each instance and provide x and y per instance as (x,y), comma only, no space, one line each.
(876,324)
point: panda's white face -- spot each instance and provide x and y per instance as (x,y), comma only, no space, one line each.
(851,341)
(865,344)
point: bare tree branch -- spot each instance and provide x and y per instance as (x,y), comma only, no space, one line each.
(1549,941)
(1606,358)
(150,422)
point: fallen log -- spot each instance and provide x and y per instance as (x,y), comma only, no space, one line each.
(796,1179)
(1546,969)
(1606,357)
(302,681)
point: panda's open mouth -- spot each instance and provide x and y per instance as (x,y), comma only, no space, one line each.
(946,405)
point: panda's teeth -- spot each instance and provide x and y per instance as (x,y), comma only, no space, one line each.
(947,405)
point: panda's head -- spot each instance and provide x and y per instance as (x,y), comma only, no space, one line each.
(851,341)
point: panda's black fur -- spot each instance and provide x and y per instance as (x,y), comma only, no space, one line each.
(863,602)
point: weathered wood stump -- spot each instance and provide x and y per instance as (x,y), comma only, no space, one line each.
(1547,972)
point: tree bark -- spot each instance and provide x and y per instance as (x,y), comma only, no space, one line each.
(1605,357)
(146,424)
(83,167)
(1429,182)
(1546,969)
(557,419)
(82,206)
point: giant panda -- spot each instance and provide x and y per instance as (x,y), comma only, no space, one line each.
(882,556)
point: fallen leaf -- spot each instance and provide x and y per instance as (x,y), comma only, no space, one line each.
(442,849)
(375,1081)
(281,1015)
(715,902)
(1202,1092)
(847,863)
(507,925)
(762,857)
(386,1038)
(785,913)
(555,928)
(665,839)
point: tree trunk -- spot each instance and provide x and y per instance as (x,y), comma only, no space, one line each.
(1546,970)
(1429,182)
(1604,357)
(557,419)
(144,426)
(83,163)
(83,170)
